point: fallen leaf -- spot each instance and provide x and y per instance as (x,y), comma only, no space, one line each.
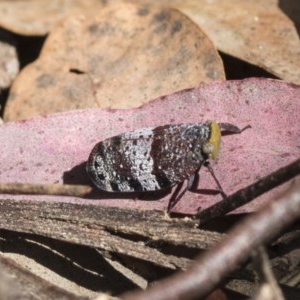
(292,10)
(46,149)
(37,17)
(118,57)
(257,32)
(9,65)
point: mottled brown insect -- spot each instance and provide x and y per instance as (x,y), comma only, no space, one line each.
(151,159)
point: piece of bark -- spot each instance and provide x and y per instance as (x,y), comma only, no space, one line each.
(105,228)
(18,283)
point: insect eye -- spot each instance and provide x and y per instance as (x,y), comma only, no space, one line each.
(207,148)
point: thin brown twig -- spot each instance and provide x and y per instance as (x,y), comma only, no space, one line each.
(209,269)
(45,189)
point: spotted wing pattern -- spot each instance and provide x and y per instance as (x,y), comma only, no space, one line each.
(148,159)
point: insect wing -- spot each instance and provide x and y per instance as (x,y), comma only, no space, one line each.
(147,159)
(177,151)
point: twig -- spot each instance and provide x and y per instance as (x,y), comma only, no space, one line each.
(45,189)
(249,193)
(214,265)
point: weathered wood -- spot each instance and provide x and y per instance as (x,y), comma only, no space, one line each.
(134,233)
(18,283)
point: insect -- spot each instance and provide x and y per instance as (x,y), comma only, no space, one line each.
(151,159)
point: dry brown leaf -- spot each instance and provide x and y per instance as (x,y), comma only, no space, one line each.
(9,65)
(119,57)
(255,31)
(37,17)
(292,9)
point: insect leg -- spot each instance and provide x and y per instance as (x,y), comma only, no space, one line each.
(211,171)
(176,196)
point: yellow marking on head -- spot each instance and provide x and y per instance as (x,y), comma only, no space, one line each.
(215,139)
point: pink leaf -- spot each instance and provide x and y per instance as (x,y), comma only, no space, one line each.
(43,149)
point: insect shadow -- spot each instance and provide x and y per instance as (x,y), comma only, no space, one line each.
(78,176)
